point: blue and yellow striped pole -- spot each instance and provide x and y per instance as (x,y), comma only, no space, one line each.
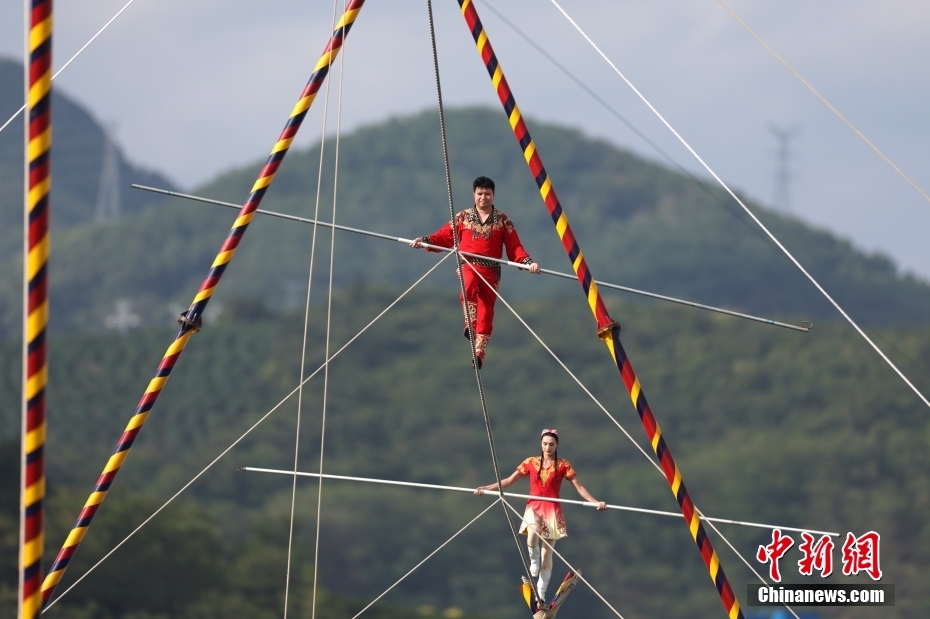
(607,329)
(38,86)
(190,320)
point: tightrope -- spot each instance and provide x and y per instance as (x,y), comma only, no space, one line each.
(607,330)
(469,319)
(625,433)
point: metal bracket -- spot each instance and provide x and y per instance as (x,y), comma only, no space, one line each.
(605,333)
(190,324)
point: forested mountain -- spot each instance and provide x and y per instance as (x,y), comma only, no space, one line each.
(638,223)
(77,161)
(766,425)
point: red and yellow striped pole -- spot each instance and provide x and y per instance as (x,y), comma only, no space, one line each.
(190,320)
(607,329)
(38,86)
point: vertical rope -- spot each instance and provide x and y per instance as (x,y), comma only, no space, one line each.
(190,320)
(329,314)
(607,329)
(38,143)
(303,348)
(597,402)
(459,265)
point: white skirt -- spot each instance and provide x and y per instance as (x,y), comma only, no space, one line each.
(545,518)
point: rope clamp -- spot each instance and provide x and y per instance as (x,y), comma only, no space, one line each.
(195,325)
(607,332)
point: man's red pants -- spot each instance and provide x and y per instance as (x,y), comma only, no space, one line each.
(481,298)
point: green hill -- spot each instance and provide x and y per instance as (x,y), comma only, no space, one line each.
(767,425)
(77,159)
(639,224)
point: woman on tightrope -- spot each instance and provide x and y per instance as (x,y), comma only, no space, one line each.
(544,519)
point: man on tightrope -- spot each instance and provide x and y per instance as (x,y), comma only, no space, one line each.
(485,231)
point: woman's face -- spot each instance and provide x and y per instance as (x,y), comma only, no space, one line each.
(549,445)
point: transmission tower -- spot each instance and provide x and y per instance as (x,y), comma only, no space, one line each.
(781,198)
(108,198)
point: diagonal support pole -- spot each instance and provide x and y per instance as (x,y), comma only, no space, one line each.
(607,329)
(191,320)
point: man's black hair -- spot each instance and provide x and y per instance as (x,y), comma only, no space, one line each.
(484,182)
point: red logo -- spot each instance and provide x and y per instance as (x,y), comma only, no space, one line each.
(860,554)
(775,551)
(817,556)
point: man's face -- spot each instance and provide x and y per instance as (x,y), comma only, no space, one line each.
(484,197)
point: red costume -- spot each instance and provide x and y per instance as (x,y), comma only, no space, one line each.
(545,515)
(484,238)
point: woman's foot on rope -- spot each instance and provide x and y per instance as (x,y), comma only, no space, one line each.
(542,611)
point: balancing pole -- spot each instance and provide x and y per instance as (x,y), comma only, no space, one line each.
(516,495)
(804,327)
(38,143)
(191,320)
(607,329)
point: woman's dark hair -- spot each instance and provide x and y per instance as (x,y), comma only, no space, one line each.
(484,182)
(542,456)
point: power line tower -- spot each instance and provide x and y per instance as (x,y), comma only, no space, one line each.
(108,198)
(781,198)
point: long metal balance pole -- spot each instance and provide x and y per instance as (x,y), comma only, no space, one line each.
(639,510)
(804,327)
(607,329)
(190,321)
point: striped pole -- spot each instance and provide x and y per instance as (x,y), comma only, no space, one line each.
(190,320)
(38,136)
(607,329)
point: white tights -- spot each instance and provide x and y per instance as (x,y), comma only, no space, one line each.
(545,571)
(532,539)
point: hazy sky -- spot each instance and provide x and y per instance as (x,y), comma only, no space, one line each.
(196,87)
